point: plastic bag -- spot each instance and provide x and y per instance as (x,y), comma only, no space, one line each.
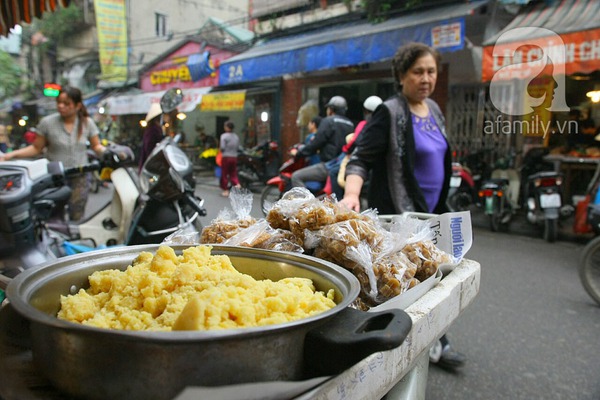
(229,222)
(262,236)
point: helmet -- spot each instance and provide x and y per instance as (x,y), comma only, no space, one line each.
(372,102)
(338,103)
(155,111)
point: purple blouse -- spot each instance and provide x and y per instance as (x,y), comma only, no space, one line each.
(430,147)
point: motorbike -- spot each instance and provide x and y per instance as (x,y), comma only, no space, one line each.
(32,196)
(144,209)
(589,262)
(278,185)
(167,202)
(499,195)
(461,194)
(544,201)
(259,164)
(543,191)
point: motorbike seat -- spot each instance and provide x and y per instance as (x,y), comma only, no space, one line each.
(48,202)
(499,181)
(57,195)
(544,174)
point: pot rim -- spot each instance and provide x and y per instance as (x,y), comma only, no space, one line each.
(24,285)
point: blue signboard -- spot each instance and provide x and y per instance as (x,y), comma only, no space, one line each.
(336,48)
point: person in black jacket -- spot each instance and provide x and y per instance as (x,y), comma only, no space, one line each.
(328,141)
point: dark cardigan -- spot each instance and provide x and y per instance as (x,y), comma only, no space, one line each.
(387,152)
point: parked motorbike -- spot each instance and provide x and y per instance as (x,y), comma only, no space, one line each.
(278,185)
(543,191)
(544,201)
(259,164)
(167,202)
(462,192)
(499,195)
(33,223)
(589,262)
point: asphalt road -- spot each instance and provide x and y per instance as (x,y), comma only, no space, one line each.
(531,333)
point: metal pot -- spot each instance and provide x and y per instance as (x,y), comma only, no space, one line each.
(94,363)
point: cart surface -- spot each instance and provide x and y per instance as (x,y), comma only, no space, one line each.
(403,370)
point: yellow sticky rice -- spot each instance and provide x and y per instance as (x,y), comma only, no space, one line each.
(192,291)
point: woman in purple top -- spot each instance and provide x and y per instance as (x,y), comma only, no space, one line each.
(404,147)
(404,143)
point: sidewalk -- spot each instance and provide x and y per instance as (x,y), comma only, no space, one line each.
(207,177)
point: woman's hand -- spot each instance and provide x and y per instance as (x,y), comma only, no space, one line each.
(352,190)
(351,201)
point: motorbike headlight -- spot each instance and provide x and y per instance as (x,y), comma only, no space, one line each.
(148,181)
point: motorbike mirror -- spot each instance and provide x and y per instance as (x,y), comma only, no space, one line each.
(171,99)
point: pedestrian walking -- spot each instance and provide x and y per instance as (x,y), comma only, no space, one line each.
(229,146)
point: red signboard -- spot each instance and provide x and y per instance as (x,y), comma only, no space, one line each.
(172,71)
(579,52)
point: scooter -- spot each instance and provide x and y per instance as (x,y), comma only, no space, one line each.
(462,192)
(499,195)
(31,193)
(544,201)
(278,185)
(167,202)
(259,164)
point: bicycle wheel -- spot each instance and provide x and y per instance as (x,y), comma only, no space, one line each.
(589,269)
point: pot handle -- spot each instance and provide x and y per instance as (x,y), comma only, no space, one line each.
(351,335)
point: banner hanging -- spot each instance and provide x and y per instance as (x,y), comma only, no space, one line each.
(111,24)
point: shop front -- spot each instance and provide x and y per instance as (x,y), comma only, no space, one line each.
(192,66)
(351,60)
(543,71)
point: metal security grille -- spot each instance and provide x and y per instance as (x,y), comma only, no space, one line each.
(474,124)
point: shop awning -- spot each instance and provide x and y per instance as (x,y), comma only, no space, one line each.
(14,12)
(567,32)
(125,104)
(351,44)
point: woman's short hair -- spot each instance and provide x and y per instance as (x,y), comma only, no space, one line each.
(408,54)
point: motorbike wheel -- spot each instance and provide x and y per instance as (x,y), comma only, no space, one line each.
(460,201)
(550,230)
(495,222)
(589,269)
(269,195)
(245,176)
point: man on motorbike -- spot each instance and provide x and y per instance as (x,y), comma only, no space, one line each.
(328,141)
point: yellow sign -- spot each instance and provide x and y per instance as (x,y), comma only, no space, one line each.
(225,101)
(177,74)
(111,24)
